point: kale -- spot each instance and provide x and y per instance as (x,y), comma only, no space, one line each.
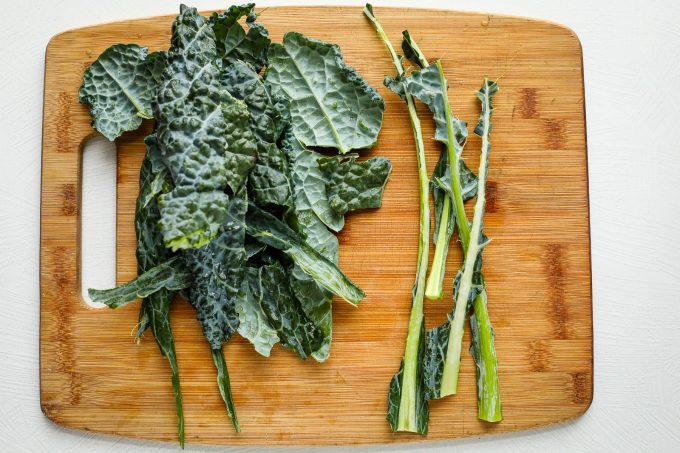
(353,185)
(269,180)
(431,363)
(408,409)
(234,43)
(236,211)
(273,232)
(331,104)
(120,86)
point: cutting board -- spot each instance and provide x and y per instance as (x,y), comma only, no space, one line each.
(94,377)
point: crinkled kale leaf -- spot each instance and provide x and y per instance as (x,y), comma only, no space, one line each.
(192,134)
(353,185)
(120,86)
(234,43)
(218,270)
(269,180)
(271,231)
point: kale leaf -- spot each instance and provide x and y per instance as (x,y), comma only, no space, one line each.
(253,323)
(241,152)
(331,104)
(269,179)
(155,309)
(268,286)
(234,43)
(310,204)
(218,270)
(271,231)
(353,185)
(170,275)
(120,86)
(192,134)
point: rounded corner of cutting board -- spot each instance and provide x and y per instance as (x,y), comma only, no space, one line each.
(72,393)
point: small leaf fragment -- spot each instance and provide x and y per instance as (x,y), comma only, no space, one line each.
(353,185)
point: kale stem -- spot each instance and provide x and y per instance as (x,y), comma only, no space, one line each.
(454,162)
(407,420)
(484,353)
(436,278)
(434,289)
(225,386)
(452,363)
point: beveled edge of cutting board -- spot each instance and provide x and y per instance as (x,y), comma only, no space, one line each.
(58,40)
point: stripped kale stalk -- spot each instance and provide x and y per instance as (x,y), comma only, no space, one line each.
(450,191)
(450,212)
(489,406)
(429,86)
(470,280)
(407,408)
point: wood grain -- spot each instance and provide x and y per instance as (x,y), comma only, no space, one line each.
(94,377)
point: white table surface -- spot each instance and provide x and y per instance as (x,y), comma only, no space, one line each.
(632,71)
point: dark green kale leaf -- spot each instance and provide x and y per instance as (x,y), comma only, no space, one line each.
(309,183)
(119,86)
(269,181)
(253,248)
(268,285)
(310,200)
(224,385)
(433,358)
(273,232)
(241,153)
(218,270)
(154,179)
(155,309)
(316,302)
(233,43)
(192,134)
(411,50)
(331,104)
(353,185)
(170,275)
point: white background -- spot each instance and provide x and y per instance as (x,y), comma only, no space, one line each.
(632,71)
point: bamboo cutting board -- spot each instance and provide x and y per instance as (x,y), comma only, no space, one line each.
(94,377)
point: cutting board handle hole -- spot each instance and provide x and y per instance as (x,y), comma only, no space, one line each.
(98,217)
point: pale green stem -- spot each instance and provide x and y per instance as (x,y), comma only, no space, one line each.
(436,278)
(434,289)
(488,393)
(452,363)
(407,420)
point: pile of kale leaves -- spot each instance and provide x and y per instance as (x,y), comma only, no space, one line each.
(235,212)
